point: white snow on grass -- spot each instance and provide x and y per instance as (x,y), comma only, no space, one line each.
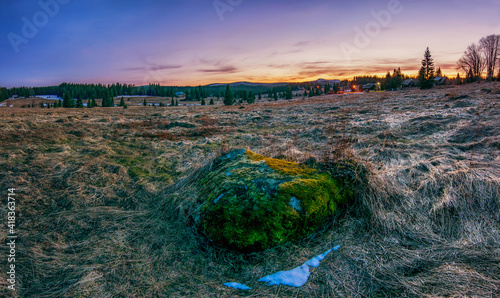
(237,286)
(54,97)
(314,262)
(296,277)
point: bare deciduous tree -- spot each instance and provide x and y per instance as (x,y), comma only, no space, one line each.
(490,46)
(472,62)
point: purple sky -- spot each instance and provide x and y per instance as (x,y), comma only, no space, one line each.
(191,42)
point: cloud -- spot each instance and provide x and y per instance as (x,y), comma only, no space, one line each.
(154,67)
(302,43)
(222,69)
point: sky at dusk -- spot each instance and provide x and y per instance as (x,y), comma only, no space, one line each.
(192,42)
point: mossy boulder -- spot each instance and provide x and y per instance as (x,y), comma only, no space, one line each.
(249,202)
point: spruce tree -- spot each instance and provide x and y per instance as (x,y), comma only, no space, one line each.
(288,93)
(172,102)
(79,101)
(145,103)
(439,73)
(122,102)
(228,97)
(211,101)
(251,98)
(327,88)
(426,74)
(68,101)
(203,102)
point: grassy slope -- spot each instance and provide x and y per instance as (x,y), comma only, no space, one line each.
(96,217)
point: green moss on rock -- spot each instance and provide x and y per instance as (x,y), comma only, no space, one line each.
(250,202)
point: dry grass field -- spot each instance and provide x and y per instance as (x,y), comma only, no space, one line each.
(95,215)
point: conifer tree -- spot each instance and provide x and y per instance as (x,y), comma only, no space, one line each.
(439,73)
(251,98)
(172,102)
(203,102)
(145,103)
(79,101)
(122,102)
(288,93)
(3,94)
(68,101)
(426,73)
(327,88)
(211,101)
(228,97)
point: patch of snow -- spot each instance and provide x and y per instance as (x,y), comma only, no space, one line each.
(296,277)
(295,204)
(237,286)
(54,97)
(131,96)
(314,262)
(228,174)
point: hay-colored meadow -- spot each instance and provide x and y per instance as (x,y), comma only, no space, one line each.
(95,216)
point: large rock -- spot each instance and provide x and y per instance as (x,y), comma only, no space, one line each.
(250,202)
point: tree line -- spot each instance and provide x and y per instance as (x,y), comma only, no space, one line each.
(479,61)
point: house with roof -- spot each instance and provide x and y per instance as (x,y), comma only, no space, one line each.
(370,86)
(439,81)
(409,83)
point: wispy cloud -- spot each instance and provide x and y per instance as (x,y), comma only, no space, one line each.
(152,67)
(222,69)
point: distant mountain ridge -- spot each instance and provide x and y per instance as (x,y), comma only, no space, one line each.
(278,84)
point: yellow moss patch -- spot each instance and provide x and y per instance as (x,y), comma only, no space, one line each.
(282,166)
